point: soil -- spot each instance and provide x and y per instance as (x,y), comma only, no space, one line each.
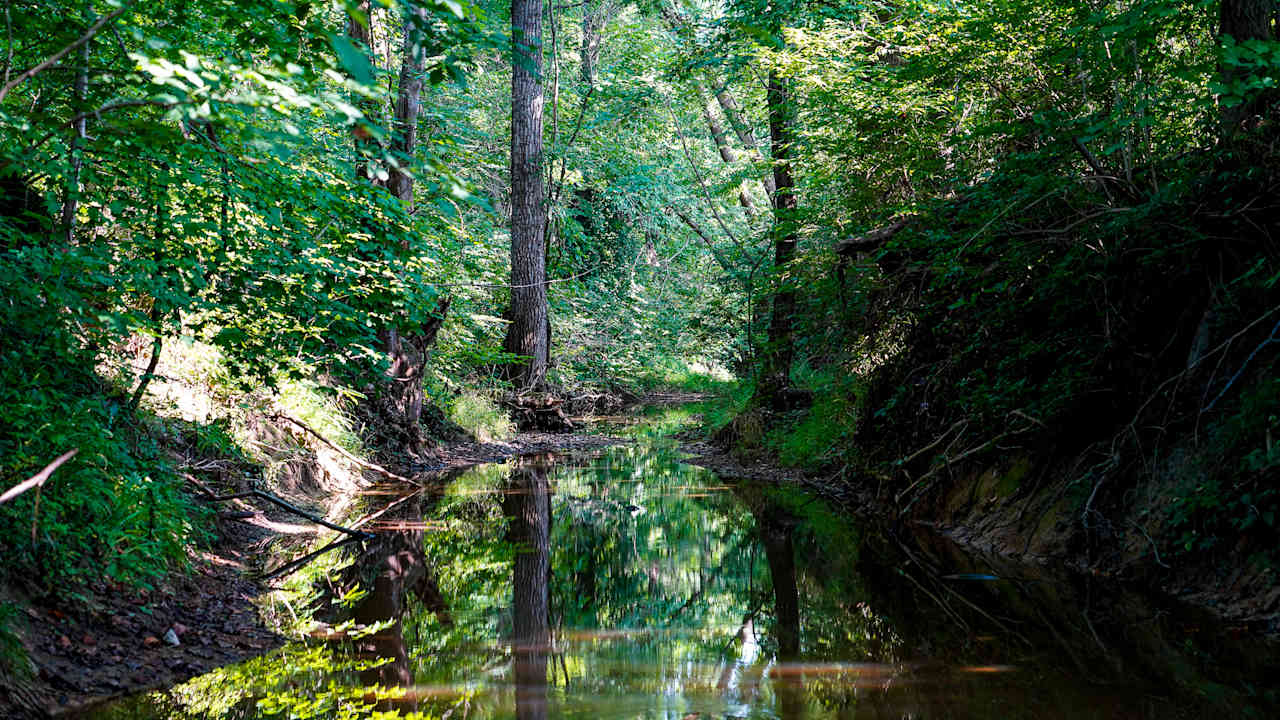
(110,641)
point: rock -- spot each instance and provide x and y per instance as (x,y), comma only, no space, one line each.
(150,641)
(171,637)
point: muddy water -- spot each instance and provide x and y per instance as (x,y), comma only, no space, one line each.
(625,584)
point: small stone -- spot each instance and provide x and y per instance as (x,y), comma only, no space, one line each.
(151,641)
(171,637)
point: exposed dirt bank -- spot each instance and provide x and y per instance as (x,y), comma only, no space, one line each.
(108,640)
(1243,594)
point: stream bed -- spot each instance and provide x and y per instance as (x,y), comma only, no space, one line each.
(625,584)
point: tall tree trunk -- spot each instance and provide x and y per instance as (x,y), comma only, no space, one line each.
(722,144)
(408,358)
(362,34)
(528,504)
(408,104)
(746,136)
(775,377)
(407,353)
(527,335)
(1246,20)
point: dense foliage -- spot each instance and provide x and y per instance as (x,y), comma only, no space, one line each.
(1044,226)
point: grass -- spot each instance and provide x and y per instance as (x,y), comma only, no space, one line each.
(480,416)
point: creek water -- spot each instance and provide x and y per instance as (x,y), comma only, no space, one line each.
(626,584)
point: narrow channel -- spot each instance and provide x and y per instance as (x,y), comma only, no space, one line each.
(626,584)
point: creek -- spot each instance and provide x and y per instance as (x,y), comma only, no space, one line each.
(625,584)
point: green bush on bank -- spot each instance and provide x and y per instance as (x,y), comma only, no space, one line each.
(116,507)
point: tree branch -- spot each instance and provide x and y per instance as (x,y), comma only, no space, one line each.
(93,30)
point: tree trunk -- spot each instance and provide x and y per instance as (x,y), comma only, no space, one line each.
(407,353)
(528,334)
(408,104)
(528,504)
(593,22)
(733,112)
(362,34)
(722,144)
(1246,20)
(775,377)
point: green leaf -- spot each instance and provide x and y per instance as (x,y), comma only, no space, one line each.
(353,59)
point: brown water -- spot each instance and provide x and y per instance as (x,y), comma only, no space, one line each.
(625,584)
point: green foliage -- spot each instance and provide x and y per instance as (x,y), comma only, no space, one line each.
(116,507)
(1253,67)
(480,416)
(823,435)
(1235,500)
(14,664)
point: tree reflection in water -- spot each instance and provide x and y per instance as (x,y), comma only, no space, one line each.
(392,567)
(527,503)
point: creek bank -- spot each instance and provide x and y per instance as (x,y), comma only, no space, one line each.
(980,515)
(108,640)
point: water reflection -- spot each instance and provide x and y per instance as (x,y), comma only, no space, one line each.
(628,585)
(527,503)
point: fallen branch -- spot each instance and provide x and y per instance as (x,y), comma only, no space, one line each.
(295,565)
(38,479)
(386,509)
(213,497)
(872,240)
(362,463)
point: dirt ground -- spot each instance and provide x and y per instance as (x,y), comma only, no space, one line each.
(113,641)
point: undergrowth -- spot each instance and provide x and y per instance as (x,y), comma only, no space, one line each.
(480,416)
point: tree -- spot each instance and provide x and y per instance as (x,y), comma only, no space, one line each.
(775,376)
(1243,21)
(527,336)
(406,353)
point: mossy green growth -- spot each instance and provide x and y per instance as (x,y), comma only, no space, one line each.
(1012,478)
(824,434)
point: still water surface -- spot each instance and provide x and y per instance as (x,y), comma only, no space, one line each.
(625,584)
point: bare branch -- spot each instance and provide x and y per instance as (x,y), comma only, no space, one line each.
(39,478)
(93,30)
